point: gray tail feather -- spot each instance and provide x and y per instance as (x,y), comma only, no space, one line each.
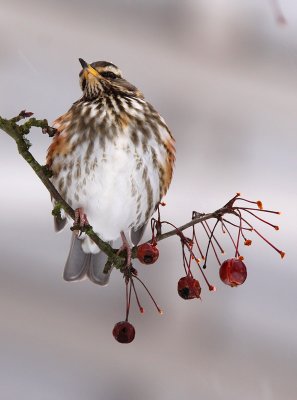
(80,264)
(59,223)
(96,267)
(137,234)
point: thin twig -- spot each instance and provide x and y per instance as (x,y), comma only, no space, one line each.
(18,132)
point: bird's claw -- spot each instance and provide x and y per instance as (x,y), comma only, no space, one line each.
(80,221)
(126,247)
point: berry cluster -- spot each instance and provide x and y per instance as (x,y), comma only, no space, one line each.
(232,271)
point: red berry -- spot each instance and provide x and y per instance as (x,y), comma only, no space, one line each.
(233,272)
(147,253)
(124,332)
(188,288)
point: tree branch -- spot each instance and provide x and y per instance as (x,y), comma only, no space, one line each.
(18,134)
(197,220)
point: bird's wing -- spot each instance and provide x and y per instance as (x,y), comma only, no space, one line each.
(136,234)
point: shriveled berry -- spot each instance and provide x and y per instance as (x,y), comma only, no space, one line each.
(124,332)
(188,288)
(233,272)
(147,253)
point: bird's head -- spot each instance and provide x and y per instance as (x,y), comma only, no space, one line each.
(102,77)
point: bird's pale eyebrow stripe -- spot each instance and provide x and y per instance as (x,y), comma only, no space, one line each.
(110,69)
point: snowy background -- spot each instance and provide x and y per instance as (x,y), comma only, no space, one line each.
(223,74)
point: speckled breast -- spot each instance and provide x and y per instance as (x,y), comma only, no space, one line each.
(113,157)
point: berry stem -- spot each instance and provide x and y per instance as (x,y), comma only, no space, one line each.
(238,236)
(186,263)
(210,243)
(214,238)
(141,309)
(149,293)
(281,253)
(262,220)
(210,287)
(227,230)
(128,298)
(256,209)
(248,201)
(236,226)
(194,238)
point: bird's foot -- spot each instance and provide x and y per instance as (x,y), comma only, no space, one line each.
(80,221)
(126,247)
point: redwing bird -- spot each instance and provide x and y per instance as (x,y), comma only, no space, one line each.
(112,160)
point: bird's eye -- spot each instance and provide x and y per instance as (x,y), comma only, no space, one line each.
(108,74)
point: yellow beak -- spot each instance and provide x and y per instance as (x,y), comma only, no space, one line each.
(88,69)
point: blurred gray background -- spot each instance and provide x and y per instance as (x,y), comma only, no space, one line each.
(223,73)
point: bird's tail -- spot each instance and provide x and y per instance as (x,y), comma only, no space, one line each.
(80,265)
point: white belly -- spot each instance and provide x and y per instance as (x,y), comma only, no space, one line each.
(112,186)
